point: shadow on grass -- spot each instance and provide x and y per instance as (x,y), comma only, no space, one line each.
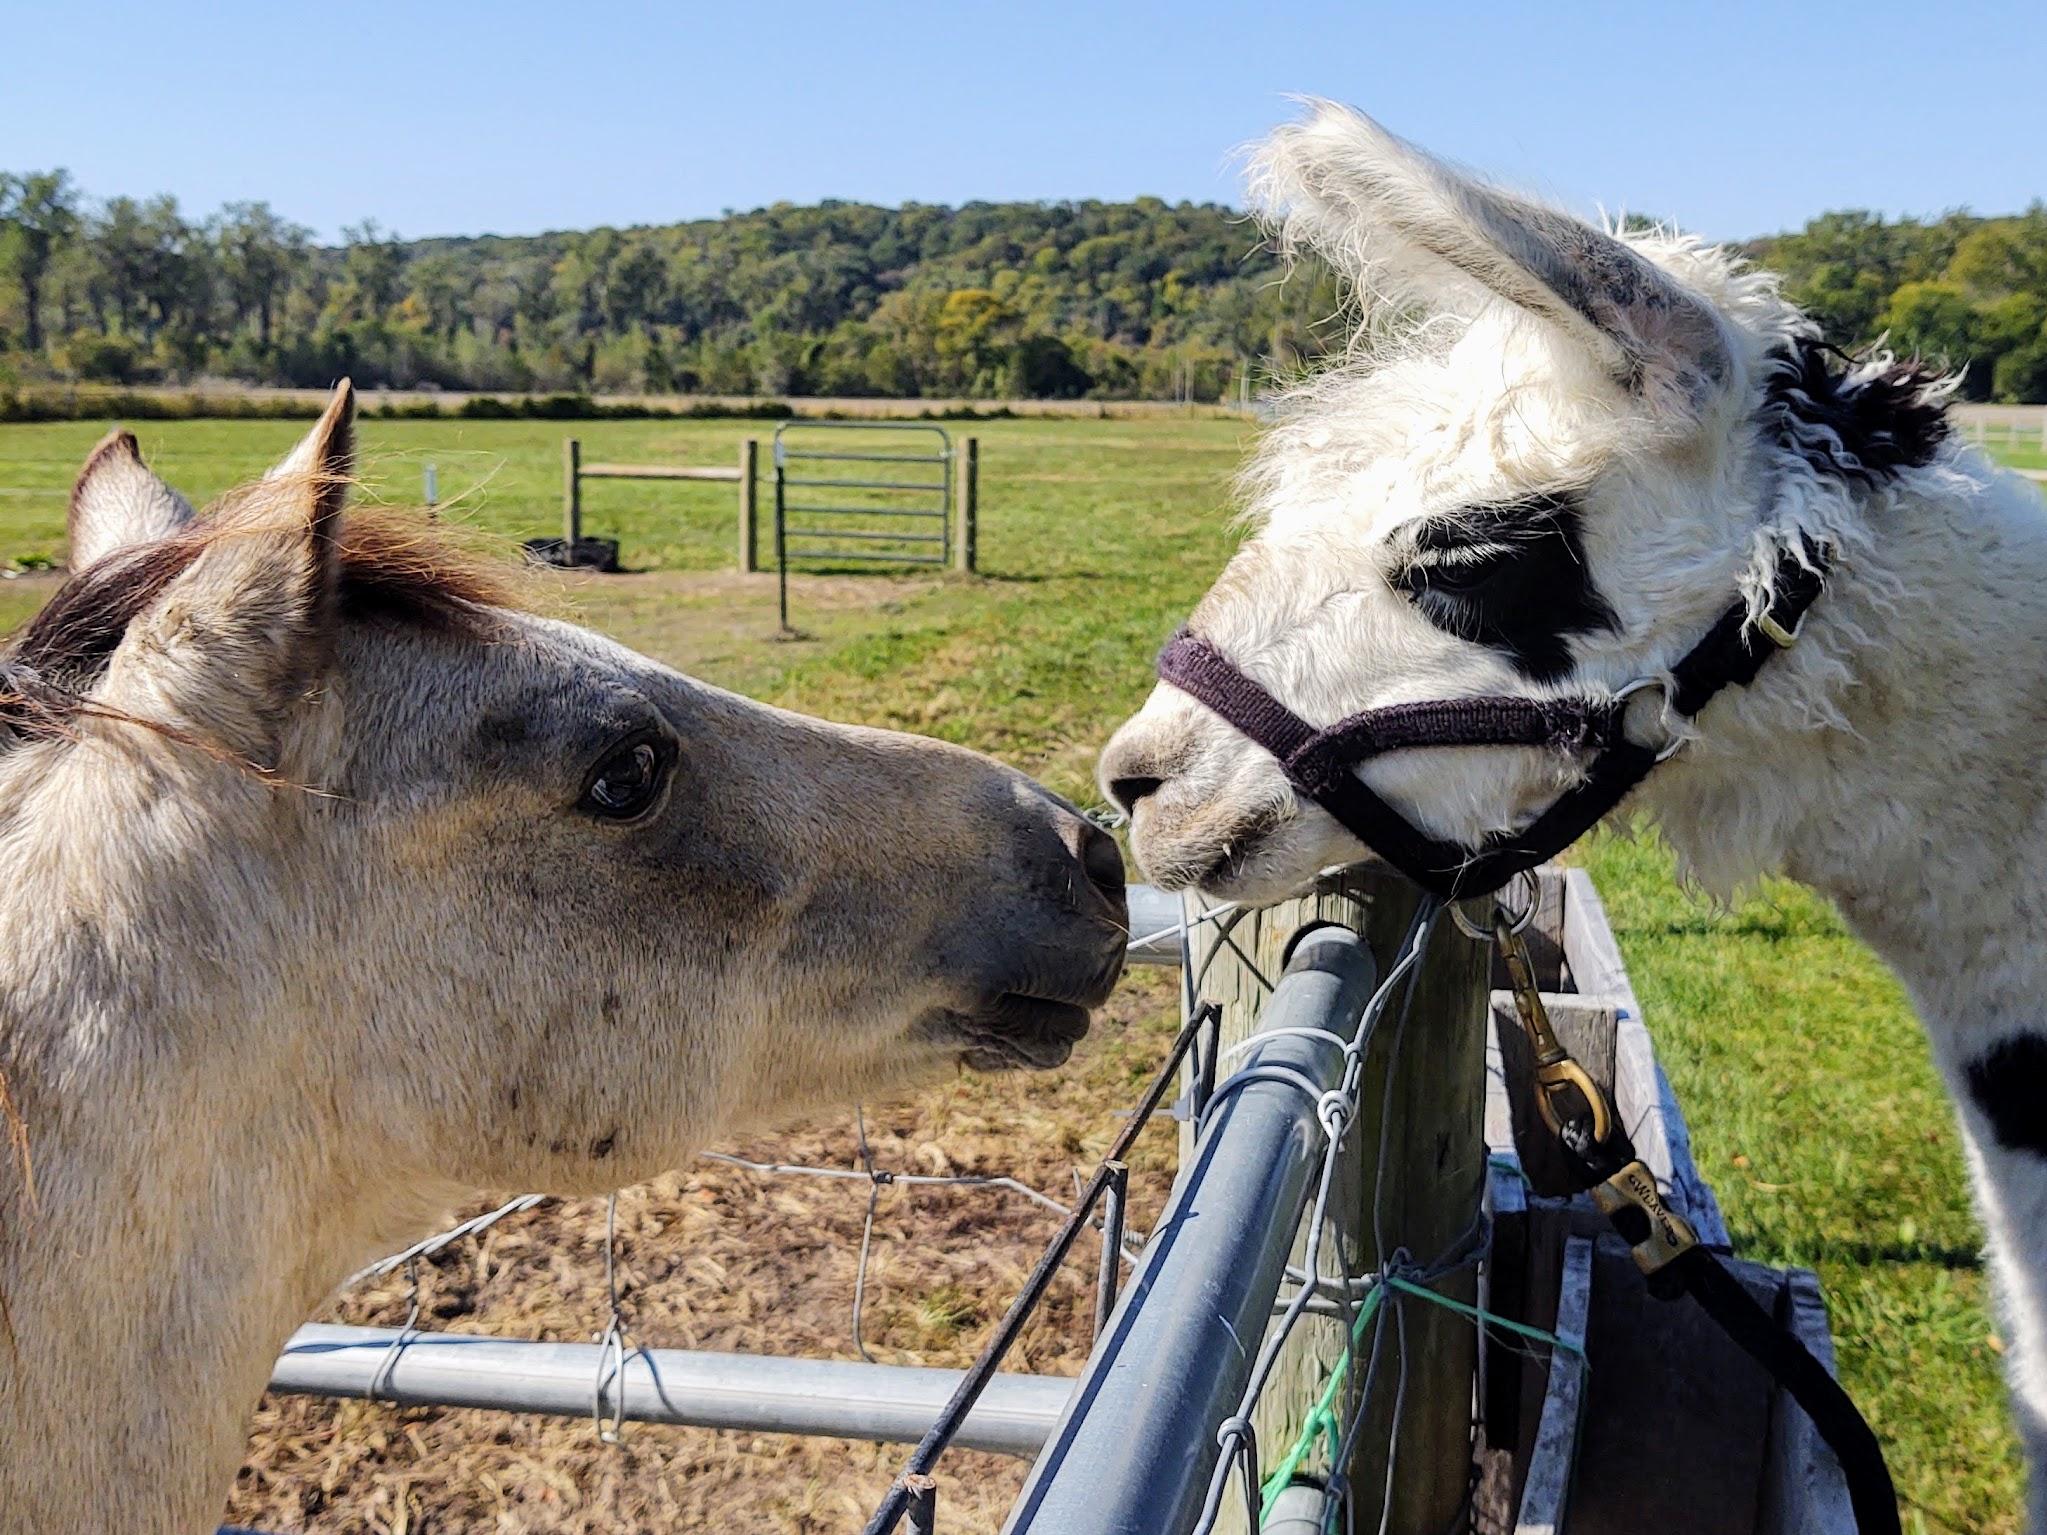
(1858,1253)
(1780,925)
(1040,577)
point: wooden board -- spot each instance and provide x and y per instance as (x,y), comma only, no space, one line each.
(1676,1412)
(1553,1458)
(1804,1491)
(1682,1431)
(656,472)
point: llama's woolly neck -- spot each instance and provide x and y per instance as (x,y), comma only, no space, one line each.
(1886,757)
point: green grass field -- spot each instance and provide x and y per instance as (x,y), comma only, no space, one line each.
(1815,1110)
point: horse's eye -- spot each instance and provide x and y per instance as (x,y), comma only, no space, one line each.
(624,784)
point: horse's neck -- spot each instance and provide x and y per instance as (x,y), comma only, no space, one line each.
(1921,809)
(194,1200)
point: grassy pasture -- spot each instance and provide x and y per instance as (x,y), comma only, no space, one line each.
(1815,1109)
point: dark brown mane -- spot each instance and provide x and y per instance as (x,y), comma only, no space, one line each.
(393,569)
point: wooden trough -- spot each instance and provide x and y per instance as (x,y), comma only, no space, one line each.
(1663,1424)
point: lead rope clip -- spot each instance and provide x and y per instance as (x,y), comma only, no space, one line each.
(1628,1196)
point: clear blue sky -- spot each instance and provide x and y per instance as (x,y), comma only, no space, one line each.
(445,118)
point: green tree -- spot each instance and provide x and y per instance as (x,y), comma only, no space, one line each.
(372,275)
(1934,320)
(974,333)
(38,217)
(260,256)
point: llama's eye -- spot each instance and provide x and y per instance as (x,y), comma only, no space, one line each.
(1456,572)
(625,783)
(1459,575)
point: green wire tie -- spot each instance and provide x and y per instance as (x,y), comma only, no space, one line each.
(1321,1420)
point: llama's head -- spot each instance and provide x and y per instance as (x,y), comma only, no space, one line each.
(295,803)
(1566,455)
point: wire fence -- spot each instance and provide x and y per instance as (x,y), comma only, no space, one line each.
(607,1402)
(612,1329)
(1305,1479)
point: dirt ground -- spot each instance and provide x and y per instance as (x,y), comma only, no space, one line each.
(719,1258)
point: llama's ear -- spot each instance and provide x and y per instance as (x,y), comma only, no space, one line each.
(117,503)
(1394,219)
(246,627)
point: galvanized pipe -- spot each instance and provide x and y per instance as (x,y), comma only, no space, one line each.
(1154,926)
(1136,1446)
(1300,1509)
(893,1404)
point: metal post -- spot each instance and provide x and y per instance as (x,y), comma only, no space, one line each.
(1112,1244)
(1427,1195)
(781,537)
(1154,926)
(1137,1444)
(965,549)
(749,475)
(432,488)
(572,497)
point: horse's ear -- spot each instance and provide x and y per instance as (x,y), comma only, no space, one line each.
(1402,224)
(246,626)
(118,503)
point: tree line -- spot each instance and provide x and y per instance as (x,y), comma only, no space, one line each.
(1141,299)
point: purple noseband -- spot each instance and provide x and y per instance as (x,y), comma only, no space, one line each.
(1322,763)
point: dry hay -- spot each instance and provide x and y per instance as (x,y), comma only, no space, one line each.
(720,1258)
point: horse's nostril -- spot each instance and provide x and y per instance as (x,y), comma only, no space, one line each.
(1103,861)
(1126,792)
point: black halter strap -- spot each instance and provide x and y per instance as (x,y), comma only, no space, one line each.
(1322,763)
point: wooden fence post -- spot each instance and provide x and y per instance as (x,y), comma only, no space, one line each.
(1434,1181)
(749,505)
(1436,1149)
(572,495)
(965,554)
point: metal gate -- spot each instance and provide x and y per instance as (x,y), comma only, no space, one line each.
(839,501)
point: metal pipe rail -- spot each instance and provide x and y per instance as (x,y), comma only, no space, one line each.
(892,1404)
(1155,919)
(1136,1447)
(762,1393)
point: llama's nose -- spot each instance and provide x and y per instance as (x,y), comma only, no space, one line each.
(1132,768)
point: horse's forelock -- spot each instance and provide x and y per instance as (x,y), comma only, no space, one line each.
(391,569)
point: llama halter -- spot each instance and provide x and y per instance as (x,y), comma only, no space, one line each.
(1322,764)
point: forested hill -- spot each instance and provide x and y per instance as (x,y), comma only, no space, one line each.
(1144,299)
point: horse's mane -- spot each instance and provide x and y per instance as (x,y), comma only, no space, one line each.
(392,569)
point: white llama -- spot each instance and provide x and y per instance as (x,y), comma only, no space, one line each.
(1571,454)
